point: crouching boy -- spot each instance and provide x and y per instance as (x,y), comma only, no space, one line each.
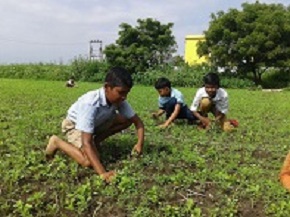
(171,102)
(211,98)
(94,117)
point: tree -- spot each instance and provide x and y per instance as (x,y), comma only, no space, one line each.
(138,48)
(253,39)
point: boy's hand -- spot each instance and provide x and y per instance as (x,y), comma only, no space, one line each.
(154,115)
(163,126)
(137,150)
(206,122)
(108,176)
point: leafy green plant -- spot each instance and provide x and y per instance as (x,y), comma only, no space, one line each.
(183,171)
(22,208)
(78,200)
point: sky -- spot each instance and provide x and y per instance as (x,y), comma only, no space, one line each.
(57,31)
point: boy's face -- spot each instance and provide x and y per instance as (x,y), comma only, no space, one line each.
(211,89)
(116,95)
(164,91)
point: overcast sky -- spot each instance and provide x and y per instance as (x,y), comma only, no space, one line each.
(59,30)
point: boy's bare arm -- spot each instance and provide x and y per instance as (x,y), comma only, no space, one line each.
(91,153)
(140,133)
(173,116)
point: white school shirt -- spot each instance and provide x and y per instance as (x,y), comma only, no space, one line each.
(220,100)
(91,110)
(70,82)
(174,94)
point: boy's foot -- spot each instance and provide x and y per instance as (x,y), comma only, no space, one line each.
(51,148)
(228,126)
(234,122)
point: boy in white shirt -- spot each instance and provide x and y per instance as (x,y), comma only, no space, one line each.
(171,102)
(95,116)
(70,82)
(211,98)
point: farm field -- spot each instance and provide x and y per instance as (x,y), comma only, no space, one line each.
(183,171)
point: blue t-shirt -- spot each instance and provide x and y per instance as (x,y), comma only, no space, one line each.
(174,94)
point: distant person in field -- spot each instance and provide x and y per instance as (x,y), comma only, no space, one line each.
(70,82)
(171,102)
(94,117)
(211,98)
(284,175)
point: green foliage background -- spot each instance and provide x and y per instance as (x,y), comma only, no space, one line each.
(252,39)
(94,71)
(146,45)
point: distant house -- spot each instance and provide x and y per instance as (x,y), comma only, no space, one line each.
(191,57)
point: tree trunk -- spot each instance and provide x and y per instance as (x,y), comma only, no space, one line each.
(257,75)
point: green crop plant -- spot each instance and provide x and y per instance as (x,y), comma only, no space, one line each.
(182,172)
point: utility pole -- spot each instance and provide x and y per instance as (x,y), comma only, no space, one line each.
(96,53)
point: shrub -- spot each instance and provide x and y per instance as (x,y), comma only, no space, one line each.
(184,76)
(35,71)
(88,70)
(82,69)
(276,78)
(94,71)
(189,76)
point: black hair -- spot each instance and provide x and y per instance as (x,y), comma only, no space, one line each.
(162,83)
(119,77)
(211,78)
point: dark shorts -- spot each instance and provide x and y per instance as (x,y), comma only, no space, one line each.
(184,113)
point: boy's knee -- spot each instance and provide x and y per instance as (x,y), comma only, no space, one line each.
(205,102)
(171,103)
(205,105)
(85,163)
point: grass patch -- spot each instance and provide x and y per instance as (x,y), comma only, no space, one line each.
(183,171)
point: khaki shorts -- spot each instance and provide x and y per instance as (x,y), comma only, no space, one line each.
(74,136)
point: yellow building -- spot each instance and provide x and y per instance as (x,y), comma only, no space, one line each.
(190,54)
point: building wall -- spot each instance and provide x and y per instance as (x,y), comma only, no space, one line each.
(191,57)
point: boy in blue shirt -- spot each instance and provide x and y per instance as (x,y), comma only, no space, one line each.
(171,102)
(94,117)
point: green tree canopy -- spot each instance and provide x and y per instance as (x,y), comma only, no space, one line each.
(138,48)
(252,39)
